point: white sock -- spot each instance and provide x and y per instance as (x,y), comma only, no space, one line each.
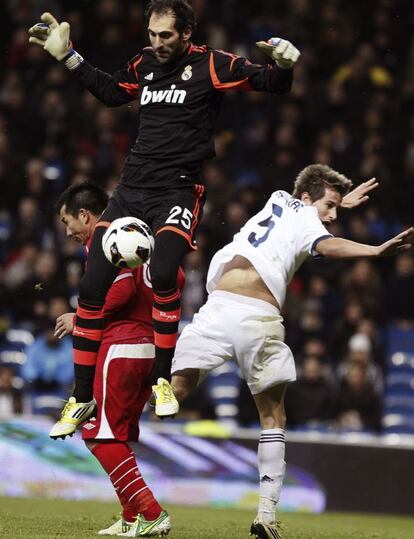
(272,465)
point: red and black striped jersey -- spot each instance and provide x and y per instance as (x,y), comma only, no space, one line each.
(179,103)
(128,307)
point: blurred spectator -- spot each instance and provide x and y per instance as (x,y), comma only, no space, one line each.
(31,300)
(360,353)
(363,283)
(364,64)
(369,328)
(310,325)
(315,348)
(400,291)
(28,224)
(235,217)
(13,342)
(345,328)
(358,229)
(359,405)
(311,398)
(73,277)
(325,296)
(20,265)
(49,365)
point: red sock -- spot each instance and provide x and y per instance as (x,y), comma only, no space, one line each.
(118,460)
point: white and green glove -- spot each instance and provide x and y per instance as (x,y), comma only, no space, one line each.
(281,51)
(54,38)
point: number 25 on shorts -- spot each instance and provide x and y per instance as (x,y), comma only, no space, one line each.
(179,215)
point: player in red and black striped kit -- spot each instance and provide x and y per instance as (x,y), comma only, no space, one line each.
(122,383)
(179,87)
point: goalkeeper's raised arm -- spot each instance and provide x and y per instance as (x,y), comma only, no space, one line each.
(54,37)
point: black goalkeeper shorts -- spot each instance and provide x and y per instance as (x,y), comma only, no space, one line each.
(178,210)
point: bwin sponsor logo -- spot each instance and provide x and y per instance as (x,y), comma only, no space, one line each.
(158,96)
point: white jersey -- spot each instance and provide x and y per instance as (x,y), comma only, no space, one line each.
(276,241)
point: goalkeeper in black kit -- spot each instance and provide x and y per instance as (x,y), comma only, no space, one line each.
(179,86)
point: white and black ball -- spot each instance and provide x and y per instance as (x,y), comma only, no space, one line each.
(128,242)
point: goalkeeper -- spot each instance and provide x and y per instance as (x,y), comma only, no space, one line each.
(179,86)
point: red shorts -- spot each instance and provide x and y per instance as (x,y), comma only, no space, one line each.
(122,386)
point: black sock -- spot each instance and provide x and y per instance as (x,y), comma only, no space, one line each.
(84,375)
(162,367)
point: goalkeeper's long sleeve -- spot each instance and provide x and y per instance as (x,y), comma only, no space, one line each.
(112,90)
(231,72)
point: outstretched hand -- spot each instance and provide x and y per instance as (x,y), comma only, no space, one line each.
(397,244)
(52,36)
(359,195)
(281,51)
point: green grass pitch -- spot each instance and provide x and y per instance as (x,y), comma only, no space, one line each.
(58,519)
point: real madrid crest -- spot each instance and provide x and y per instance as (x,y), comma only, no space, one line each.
(187,73)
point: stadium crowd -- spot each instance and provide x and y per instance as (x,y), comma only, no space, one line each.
(351,107)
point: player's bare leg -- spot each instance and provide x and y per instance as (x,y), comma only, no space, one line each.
(271,457)
(184,382)
(168,396)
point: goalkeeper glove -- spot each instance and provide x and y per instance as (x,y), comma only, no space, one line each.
(281,51)
(54,38)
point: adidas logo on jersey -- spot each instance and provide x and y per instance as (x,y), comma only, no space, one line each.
(150,76)
(158,96)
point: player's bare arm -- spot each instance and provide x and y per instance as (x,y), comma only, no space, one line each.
(360,194)
(342,248)
(397,244)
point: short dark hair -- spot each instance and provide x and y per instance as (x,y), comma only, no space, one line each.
(314,179)
(183,12)
(82,195)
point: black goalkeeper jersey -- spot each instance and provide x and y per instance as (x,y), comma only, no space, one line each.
(179,103)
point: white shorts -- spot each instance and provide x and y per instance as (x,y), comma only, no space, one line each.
(248,330)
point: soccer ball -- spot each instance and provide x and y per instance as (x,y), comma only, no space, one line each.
(128,242)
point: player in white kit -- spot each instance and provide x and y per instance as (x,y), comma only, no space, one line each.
(241,319)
